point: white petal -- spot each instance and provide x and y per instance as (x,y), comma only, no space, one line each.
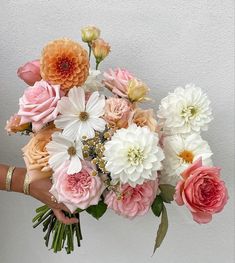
(97,124)
(95,105)
(56,160)
(72,130)
(77,98)
(63,121)
(75,165)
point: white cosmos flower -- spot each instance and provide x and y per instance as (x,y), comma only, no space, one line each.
(61,149)
(133,155)
(180,152)
(93,82)
(185,110)
(80,118)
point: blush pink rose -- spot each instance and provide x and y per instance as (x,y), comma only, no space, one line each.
(117,112)
(134,201)
(117,81)
(79,190)
(30,72)
(39,104)
(202,191)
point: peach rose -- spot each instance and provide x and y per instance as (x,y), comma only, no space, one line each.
(134,201)
(39,104)
(137,91)
(13,125)
(202,191)
(35,151)
(117,81)
(100,49)
(144,118)
(117,112)
(79,190)
(30,72)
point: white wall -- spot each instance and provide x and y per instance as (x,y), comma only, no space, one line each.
(166,43)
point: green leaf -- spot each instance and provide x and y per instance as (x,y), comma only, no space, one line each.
(157,206)
(78,210)
(162,229)
(97,211)
(167,192)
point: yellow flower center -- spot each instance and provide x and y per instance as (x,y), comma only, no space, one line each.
(189,112)
(83,116)
(187,156)
(72,151)
(135,155)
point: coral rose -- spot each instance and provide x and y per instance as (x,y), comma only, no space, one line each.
(117,112)
(35,151)
(202,191)
(30,72)
(117,81)
(144,118)
(79,190)
(39,104)
(134,201)
(13,125)
(65,63)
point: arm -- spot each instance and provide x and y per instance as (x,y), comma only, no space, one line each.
(38,189)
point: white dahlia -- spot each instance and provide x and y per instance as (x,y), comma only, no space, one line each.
(185,110)
(79,118)
(61,149)
(133,155)
(180,152)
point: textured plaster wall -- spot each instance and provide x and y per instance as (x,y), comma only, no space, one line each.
(164,42)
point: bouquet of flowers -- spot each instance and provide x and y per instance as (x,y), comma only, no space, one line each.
(101,149)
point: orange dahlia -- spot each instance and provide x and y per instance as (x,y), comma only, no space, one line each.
(64,62)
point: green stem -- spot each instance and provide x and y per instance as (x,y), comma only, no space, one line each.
(97,65)
(43,218)
(89,46)
(49,230)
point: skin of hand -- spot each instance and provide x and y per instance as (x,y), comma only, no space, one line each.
(39,189)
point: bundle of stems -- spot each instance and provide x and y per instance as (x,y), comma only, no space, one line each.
(62,235)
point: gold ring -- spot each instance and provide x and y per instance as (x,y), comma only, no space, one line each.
(53,199)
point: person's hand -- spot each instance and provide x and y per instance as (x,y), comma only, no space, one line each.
(40,190)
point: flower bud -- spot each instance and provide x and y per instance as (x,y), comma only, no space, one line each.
(137,91)
(100,49)
(30,72)
(13,125)
(90,33)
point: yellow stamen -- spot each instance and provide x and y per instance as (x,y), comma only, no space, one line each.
(187,156)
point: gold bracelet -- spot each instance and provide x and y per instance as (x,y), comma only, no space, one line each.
(26,184)
(9,178)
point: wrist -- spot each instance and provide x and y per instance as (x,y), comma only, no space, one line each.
(17,184)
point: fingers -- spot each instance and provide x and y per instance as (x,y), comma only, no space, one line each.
(64,219)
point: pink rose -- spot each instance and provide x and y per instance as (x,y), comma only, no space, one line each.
(30,72)
(38,104)
(202,191)
(134,201)
(79,190)
(117,81)
(117,112)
